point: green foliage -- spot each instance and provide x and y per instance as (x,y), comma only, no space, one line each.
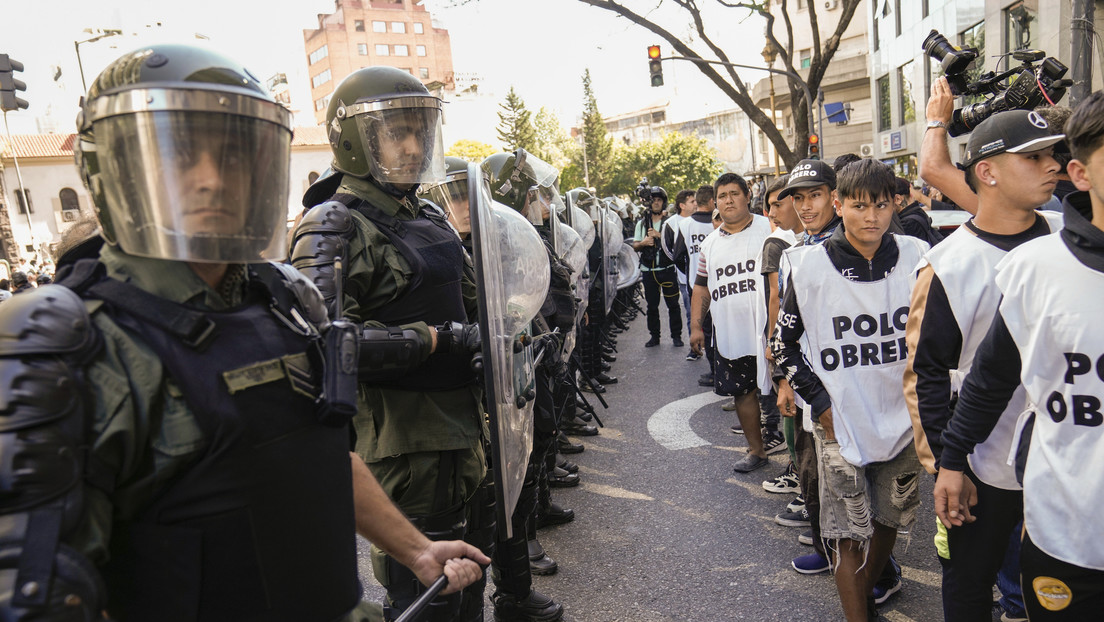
(471,150)
(598,151)
(675,162)
(553,145)
(515,125)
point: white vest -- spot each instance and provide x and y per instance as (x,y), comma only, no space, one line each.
(765,382)
(673,224)
(736,303)
(694,233)
(855,343)
(1052,306)
(966,267)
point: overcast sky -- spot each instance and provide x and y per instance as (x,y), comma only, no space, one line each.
(541,47)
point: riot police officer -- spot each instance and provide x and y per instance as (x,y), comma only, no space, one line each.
(419,425)
(171,454)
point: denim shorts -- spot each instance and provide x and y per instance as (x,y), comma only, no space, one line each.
(853,497)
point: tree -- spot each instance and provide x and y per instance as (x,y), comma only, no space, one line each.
(471,150)
(675,162)
(553,145)
(725,77)
(595,159)
(515,128)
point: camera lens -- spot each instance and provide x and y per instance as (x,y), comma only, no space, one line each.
(966,118)
(937,46)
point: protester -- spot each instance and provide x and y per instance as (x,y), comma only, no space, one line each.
(685,205)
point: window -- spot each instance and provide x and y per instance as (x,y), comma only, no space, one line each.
(974,37)
(923,8)
(897,15)
(420,49)
(362,49)
(806,59)
(423,73)
(26,205)
(320,104)
(877,43)
(1019,21)
(382,50)
(419,28)
(359,25)
(320,79)
(407,70)
(319,54)
(904,91)
(68,198)
(399,27)
(402,50)
(379,26)
(884,112)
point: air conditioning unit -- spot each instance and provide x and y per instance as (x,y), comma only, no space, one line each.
(69,215)
(867,150)
(830,4)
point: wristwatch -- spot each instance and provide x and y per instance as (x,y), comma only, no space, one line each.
(932,124)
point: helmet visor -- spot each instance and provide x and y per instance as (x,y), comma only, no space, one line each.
(452,196)
(403,145)
(196,186)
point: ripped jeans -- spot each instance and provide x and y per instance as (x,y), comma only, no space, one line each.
(853,497)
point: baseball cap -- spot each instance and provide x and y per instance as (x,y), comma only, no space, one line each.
(808,174)
(1013,131)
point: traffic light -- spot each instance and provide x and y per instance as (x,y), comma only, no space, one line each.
(655,66)
(814,147)
(9,86)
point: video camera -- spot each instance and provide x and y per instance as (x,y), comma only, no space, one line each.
(644,191)
(1027,86)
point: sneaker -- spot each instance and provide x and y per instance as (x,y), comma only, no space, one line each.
(651,343)
(773,442)
(749,463)
(729,407)
(705,380)
(886,587)
(793,519)
(693,356)
(677,341)
(785,483)
(813,563)
(806,537)
(796,505)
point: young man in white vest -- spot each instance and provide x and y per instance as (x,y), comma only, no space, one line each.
(1046,336)
(728,287)
(1009,165)
(692,231)
(840,342)
(684,206)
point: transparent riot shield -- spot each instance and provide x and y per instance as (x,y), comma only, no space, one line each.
(628,264)
(574,254)
(512,277)
(581,223)
(612,233)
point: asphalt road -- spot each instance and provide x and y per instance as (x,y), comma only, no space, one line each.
(666,531)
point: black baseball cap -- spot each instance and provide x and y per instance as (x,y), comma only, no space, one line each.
(808,174)
(1013,131)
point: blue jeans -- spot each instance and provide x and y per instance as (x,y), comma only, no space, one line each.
(685,291)
(1008,578)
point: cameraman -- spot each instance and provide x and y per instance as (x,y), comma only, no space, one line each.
(659,271)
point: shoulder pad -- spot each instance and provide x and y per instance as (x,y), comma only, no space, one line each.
(305,292)
(320,238)
(329,217)
(51,319)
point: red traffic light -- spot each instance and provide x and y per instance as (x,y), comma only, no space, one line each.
(813,139)
(653,51)
(814,147)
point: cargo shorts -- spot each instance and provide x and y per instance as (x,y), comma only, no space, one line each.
(853,497)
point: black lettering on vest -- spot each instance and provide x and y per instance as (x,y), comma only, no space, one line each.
(865,325)
(1086,410)
(720,272)
(902,349)
(751,265)
(887,328)
(850,355)
(1056,406)
(733,288)
(900,318)
(889,351)
(715,295)
(1077,364)
(869,353)
(841,324)
(1100,367)
(829,359)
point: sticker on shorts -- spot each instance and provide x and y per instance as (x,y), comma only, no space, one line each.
(1053,594)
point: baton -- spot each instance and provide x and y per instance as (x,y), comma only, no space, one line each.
(414,612)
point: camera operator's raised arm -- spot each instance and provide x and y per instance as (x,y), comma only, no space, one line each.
(936,167)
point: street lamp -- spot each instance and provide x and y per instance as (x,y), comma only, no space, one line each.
(110,32)
(770,52)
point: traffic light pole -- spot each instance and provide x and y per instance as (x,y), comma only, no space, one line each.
(797,78)
(19,180)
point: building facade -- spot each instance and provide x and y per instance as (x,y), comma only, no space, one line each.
(364,33)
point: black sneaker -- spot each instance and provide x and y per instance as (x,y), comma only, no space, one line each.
(653,342)
(793,519)
(705,380)
(677,341)
(773,442)
(749,463)
(535,608)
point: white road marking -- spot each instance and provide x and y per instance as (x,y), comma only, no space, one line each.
(613,491)
(670,425)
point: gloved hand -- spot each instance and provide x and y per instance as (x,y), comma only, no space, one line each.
(457,337)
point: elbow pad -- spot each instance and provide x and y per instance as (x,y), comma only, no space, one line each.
(322,236)
(46,338)
(387,352)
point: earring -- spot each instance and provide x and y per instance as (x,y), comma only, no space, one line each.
(992,182)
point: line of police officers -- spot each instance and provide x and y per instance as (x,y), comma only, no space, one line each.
(176,411)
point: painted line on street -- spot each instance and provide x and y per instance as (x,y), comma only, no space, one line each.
(613,491)
(926,577)
(670,425)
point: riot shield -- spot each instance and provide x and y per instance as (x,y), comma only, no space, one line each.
(628,263)
(512,278)
(581,223)
(574,255)
(612,233)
